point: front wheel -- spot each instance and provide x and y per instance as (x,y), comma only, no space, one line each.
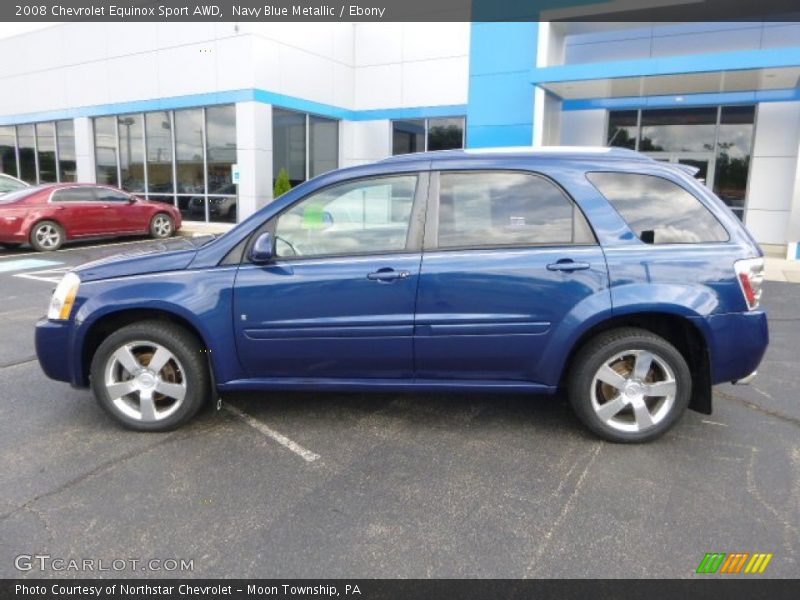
(161,226)
(151,376)
(629,385)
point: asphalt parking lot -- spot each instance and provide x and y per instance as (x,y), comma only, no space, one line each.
(392,485)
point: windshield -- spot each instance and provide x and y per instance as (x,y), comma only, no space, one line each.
(19,194)
(9,184)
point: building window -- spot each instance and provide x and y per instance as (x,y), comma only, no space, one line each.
(35,153)
(180,157)
(323,140)
(105,150)
(419,135)
(158,132)
(305,145)
(131,152)
(65,146)
(26,150)
(8,150)
(46,152)
(734,145)
(717,141)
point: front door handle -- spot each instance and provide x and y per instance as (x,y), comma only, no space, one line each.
(388,274)
(568,265)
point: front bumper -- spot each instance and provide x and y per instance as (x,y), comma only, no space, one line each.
(54,349)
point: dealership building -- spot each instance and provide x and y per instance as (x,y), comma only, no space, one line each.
(166,110)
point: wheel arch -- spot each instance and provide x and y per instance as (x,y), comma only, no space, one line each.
(678,329)
(40,218)
(108,323)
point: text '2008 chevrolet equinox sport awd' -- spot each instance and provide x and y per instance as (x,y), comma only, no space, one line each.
(600,271)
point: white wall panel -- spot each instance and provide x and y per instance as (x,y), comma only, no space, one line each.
(772,182)
(378,43)
(378,87)
(439,81)
(423,41)
(583,128)
(777,129)
(768,226)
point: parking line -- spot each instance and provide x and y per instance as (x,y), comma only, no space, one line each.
(306,454)
(48,276)
(78,248)
(26,264)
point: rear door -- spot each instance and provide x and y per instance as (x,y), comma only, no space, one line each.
(338,300)
(77,209)
(508,257)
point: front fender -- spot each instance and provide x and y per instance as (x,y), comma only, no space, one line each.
(201,298)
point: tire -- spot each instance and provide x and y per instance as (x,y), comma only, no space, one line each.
(611,398)
(162,226)
(178,390)
(47,236)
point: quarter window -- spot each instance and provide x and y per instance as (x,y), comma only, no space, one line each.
(506,209)
(363,217)
(657,210)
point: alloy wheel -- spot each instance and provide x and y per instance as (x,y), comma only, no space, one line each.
(145,381)
(162,226)
(633,391)
(48,236)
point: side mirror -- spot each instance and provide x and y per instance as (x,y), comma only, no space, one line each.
(263,250)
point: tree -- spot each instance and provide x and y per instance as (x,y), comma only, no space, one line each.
(282,184)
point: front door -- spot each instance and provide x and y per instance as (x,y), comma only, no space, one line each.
(508,257)
(338,301)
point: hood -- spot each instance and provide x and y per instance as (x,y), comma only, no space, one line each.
(172,255)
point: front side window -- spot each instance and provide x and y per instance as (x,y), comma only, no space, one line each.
(504,209)
(657,210)
(363,217)
(107,195)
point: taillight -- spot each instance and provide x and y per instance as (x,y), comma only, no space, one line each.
(750,273)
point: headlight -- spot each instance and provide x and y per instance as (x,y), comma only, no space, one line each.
(64,297)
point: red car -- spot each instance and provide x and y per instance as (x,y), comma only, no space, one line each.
(46,216)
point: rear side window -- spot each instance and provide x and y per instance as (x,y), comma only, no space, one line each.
(506,209)
(657,210)
(74,194)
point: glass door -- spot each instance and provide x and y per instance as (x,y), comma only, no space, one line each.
(702,161)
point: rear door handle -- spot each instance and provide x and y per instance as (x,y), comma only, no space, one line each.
(388,274)
(568,265)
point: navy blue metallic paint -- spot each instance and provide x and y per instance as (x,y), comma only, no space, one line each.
(468,320)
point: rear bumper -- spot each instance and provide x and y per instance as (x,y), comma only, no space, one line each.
(737,343)
(55,352)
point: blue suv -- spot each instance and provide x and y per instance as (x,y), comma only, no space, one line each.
(600,271)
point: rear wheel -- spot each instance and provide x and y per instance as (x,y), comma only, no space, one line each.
(629,385)
(151,376)
(47,236)
(161,226)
